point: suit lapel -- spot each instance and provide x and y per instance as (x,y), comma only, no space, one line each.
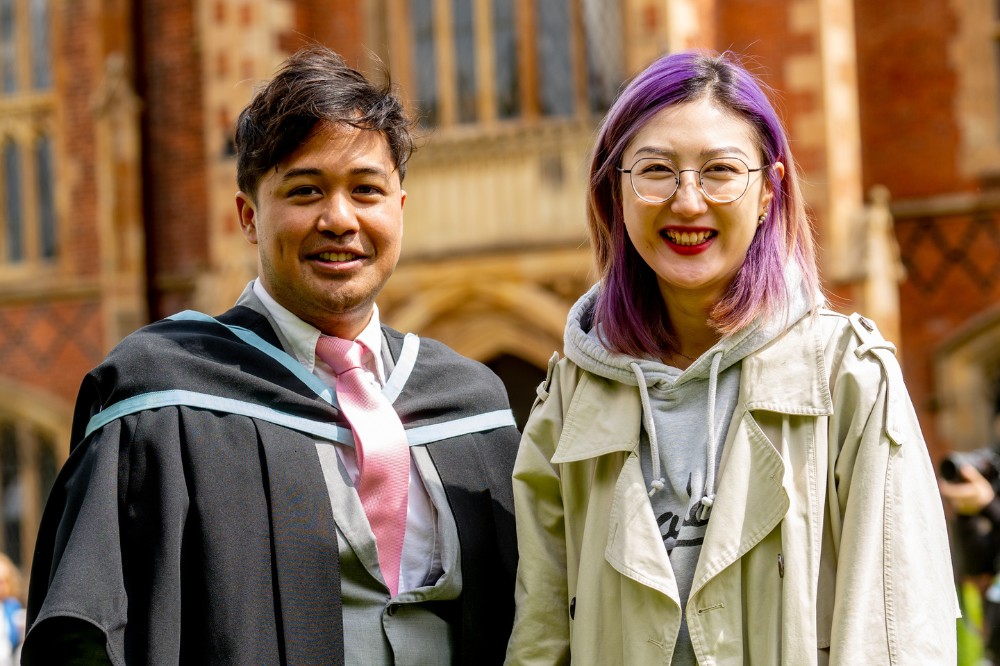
(304,549)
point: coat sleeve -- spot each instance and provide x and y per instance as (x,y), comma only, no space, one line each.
(895,599)
(542,617)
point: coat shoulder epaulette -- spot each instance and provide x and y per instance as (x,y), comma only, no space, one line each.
(872,343)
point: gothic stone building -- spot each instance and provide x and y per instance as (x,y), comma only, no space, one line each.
(117,177)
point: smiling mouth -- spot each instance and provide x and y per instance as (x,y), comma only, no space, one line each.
(337,256)
(688,238)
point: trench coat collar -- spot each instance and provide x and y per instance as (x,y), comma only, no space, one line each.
(788,375)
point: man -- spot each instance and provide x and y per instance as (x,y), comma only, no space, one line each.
(238,491)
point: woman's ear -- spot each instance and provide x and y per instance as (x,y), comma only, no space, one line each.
(767,193)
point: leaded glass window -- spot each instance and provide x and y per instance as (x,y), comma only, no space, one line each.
(479,61)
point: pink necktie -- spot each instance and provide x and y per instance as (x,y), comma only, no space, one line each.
(381,448)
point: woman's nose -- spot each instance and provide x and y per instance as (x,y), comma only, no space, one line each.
(688,199)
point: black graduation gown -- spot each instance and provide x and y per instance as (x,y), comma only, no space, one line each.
(187,534)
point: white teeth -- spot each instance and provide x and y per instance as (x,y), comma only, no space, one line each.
(336,256)
(688,237)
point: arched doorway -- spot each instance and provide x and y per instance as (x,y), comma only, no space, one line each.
(521,379)
(34,442)
(967,379)
(512,325)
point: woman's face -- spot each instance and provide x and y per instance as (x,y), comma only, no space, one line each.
(694,245)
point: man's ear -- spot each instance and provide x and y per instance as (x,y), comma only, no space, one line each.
(247,211)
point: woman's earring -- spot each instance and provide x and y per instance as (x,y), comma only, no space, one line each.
(760,220)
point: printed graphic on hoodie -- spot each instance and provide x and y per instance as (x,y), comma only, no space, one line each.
(672,526)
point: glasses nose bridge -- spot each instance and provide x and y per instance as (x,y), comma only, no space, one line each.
(695,179)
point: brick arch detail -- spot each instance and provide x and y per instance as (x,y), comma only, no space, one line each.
(40,408)
(486,319)
(967,369)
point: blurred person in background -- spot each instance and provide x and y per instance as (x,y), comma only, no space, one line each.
(11,612)
(721,470)
(970,483)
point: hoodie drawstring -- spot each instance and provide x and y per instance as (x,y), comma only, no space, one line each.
(713,383)
(647,416)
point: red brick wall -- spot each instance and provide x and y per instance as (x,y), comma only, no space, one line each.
(175,180)
(907,91)
(75,62)
(760,32)
(953,277)
(910,144)
(333,23)
(50,345)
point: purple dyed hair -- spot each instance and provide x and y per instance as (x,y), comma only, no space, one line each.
(630,305)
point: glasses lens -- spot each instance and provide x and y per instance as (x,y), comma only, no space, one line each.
(725,179)
(654,180)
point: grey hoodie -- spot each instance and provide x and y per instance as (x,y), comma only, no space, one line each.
(687,414)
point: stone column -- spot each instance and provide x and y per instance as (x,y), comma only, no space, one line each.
(116,110)
(883,268)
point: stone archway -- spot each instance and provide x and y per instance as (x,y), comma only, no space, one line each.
(967,372)
(34,443)
(507,312)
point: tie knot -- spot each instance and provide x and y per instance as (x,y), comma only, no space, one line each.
(341,355)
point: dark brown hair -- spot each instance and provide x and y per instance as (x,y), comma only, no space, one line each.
(314,85)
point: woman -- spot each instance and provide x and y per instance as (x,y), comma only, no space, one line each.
(720,471)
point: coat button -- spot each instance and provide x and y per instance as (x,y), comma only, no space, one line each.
(391,609)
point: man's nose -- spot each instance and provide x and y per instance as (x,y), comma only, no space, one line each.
(339,216)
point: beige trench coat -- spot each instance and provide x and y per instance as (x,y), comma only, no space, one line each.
(826,544)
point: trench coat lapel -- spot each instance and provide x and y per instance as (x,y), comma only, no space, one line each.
(635,545)
(749,503)
(788,378)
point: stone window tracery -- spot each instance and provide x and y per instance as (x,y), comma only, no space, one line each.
(975,56)
(463,62)
(29,228)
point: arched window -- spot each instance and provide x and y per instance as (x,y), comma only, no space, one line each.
(14,208)
(476,61)
(41,49)
(28,213)
(8,47)
(45,188)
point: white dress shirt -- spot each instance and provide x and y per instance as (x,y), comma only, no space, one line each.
(421,557)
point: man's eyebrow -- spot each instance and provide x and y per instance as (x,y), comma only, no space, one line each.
(313,171)
(300,171)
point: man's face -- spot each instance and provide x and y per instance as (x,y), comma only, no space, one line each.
(328,225)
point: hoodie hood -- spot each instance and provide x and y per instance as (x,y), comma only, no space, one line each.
(583,346)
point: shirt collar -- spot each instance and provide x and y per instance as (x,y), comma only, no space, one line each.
(303,336)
